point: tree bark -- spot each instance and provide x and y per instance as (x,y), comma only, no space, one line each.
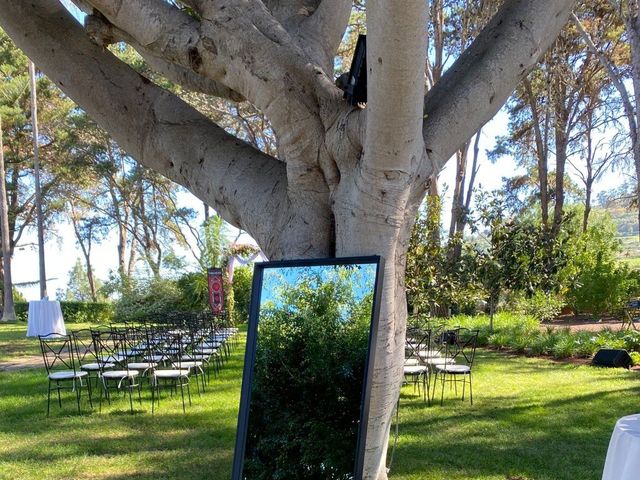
(541,152)
(8,309)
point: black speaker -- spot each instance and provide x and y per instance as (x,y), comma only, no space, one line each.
(609,357)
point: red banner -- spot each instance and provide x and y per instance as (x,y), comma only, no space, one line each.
(216,291)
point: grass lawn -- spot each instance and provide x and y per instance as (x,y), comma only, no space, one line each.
(14,343)
(531,419)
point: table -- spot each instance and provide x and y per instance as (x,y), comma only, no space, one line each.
(45,317)
(623,456)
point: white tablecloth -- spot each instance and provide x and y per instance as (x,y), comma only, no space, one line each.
(45,317)
(623,456)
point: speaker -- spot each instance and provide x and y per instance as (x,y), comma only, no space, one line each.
(609,357)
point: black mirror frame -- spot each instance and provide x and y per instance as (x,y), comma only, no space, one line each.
(250,354)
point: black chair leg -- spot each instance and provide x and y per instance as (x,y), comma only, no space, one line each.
(75,387)
(48,398)
(184,410)
(59,399)
(130,386)
(470,389)
(464,385)
(89,391)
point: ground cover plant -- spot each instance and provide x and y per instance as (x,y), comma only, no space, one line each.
(524,334)
(531,419)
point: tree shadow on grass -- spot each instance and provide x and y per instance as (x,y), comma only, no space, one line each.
(556,438)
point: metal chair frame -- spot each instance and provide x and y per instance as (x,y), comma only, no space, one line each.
(460,348)
(57,350)
(111,345)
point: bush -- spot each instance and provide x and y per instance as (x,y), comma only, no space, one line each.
(148,299)
(74,312)
(540,306)
(600,283)
(242,280)
(194,292)
(522,334)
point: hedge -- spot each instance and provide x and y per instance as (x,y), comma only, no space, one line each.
(74,312)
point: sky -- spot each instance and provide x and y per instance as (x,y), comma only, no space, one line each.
(61,250)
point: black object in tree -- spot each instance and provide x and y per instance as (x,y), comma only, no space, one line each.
(356,89)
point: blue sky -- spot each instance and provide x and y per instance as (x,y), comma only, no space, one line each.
(61,251)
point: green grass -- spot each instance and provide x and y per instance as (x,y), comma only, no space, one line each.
(632,262)
(531,419)
(115,444)
(14,343)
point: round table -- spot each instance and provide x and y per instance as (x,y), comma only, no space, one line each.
(623,456)
(45,317)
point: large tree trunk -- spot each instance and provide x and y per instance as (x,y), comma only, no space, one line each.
(8,310)
(347,180)
(541,152)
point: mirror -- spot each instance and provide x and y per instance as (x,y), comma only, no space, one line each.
(305,391)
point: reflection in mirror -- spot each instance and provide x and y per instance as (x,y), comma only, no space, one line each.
(304,395)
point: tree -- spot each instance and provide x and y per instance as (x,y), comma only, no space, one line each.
(347,180)
(88,230)
(8,310)
(556,113)
(79,286)
(18,142)
(629,12)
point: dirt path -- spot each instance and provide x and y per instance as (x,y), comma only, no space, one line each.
(584,323)
(22,363)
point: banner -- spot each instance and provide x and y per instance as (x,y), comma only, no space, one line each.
(216,292)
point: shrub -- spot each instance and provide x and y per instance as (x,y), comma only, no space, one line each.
(522,334)
(74,312)
(635,358)
(242,280)
(600,283)
(148,299)
(541,306)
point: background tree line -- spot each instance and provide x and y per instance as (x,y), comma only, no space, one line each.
(535,243)
(570,121)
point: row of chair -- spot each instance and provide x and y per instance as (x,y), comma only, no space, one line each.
(441,353)
(115,358)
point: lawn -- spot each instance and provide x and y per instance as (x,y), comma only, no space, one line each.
(14,343)
(531,419)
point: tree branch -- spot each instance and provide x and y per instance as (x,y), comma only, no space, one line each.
(104,33)
(324,30)
(163,30)
(476,86)
(155,127)
(613,75)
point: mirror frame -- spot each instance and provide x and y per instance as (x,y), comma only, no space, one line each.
(250,354)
